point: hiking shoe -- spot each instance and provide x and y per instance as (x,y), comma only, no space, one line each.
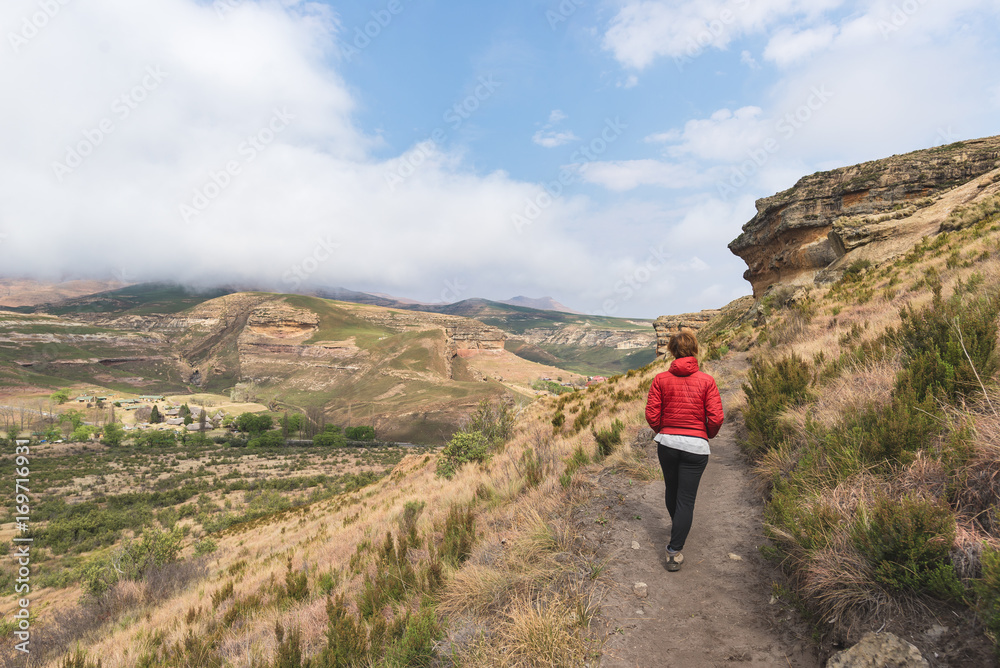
(674,561)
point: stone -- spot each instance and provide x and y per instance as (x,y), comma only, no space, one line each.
(640,589)
(811,226)
(635,545)
(883,650)
(735,557)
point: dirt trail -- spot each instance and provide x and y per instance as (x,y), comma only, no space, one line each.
(718,609)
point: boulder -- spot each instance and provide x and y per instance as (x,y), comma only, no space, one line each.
(802,230)
(879,650)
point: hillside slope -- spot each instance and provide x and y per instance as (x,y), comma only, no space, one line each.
(412,375)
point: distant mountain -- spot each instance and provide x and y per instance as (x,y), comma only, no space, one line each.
(542,303)
(28,292)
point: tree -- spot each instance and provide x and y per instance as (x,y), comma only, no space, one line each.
(202,420)
(157,439)
(113,435)
(74,417)
(332,436)
(60,396)
(82,433)
(271,439)
(254,424)
(154,416)
(296,422)
(360,433)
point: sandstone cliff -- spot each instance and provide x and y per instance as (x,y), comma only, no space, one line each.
(881,208)
(667,325)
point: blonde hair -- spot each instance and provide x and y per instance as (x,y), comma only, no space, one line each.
(683,344)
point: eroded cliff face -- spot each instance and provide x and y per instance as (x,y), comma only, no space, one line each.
(889,203)
(589,337)
(667,325)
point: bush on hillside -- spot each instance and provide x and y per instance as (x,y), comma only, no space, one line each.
(950,345)
(494,420)
(463,447)
(907,541)
(363,433)
(331,437)
(770,388)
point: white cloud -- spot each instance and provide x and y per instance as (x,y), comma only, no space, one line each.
(552,139)
(629,174)
(724,136)
(556,116)
(548,137)
(261,215)
(788,46)
(644,30)
(747,59)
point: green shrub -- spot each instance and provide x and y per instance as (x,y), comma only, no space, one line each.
(464,447)
(607,439)
(587,415)
(327,581)
(880,437)
(269,439)
(296,585)
(558,420)
(459,535)
(205,546)
(363,433)
(987,591)
(770,388)
(408,520)
(534,472)
(393,578)
(132,560)
(950,345)
(157,439)
(331,437)
(494,420)
(907,541)
(78,659)
(415,647)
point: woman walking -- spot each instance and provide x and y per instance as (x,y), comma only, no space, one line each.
(685,410)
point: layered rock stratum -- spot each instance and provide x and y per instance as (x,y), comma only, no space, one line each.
(875,210)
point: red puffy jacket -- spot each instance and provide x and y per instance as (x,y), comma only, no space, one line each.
(684,401)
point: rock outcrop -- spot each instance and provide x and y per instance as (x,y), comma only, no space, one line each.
(589,337)
(811,226)
(883,650)
(668,325)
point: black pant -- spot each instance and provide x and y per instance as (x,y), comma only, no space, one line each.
(681,474)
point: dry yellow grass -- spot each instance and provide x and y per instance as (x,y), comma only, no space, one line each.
(519,528)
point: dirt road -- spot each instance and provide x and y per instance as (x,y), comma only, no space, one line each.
(718,610)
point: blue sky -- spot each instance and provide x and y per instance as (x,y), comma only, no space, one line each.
(601,152)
